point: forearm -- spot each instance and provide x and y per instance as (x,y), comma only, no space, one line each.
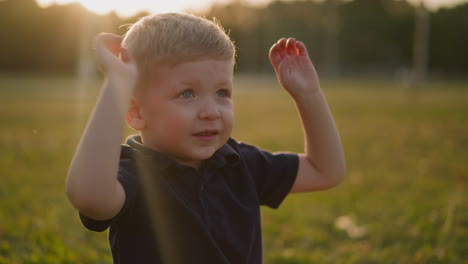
(323,147)
(92,177)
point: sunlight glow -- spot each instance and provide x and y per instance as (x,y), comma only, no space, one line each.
(434,4)
(129,8)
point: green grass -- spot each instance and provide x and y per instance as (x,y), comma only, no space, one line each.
(406,150)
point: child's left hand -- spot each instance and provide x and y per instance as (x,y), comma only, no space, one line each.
(293,67)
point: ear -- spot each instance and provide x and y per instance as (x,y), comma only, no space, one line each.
(133,117)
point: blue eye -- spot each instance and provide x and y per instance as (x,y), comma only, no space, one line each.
(222,93)
(187,94)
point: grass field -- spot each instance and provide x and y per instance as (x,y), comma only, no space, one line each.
(403,200)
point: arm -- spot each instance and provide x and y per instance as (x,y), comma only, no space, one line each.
(323,164)
(92,185)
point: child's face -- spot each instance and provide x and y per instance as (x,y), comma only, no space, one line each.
(188,111)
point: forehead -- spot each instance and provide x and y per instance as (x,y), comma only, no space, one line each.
(207,71)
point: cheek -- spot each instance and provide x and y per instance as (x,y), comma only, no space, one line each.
(165,119)
(228,118)
(175,120)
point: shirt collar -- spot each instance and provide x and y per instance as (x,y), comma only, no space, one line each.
(226,155)
(143,153)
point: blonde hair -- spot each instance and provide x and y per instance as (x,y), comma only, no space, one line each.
(174,38)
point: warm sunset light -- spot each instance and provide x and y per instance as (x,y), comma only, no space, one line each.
(129,8)
(434,4)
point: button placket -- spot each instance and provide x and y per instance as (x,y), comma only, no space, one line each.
(203,195)
(201,192)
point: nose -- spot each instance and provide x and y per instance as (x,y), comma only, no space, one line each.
(209,111)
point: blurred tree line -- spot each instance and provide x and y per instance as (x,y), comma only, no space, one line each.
(344,37)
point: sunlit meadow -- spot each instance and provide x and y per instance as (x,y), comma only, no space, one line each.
(403,200)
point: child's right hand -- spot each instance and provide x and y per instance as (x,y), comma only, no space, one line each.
(92,185)
(119,69)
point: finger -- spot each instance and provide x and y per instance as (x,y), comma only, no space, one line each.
(108,41)
(301,49)
(282,40)
(274,49)
(290,46)
(111,39)
(282,47)
(274,55)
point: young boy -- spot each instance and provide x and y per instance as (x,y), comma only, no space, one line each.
(183,191)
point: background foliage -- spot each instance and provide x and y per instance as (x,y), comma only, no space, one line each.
(373,36)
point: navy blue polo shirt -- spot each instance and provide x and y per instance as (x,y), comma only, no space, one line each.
(176,214)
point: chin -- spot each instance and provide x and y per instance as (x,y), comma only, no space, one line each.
(194,152)
(204,154)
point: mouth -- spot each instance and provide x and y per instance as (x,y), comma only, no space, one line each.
(206,134)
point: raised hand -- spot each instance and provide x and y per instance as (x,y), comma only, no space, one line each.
(114,60)
(293,67)
(92,185)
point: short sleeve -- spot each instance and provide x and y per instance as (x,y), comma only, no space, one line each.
(128,178)
(274,173)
